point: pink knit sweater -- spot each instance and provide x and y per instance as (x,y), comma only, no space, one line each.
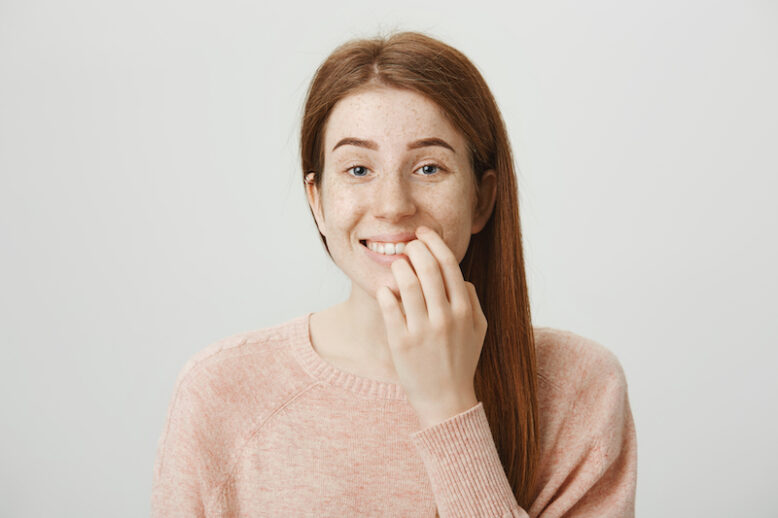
(259,425)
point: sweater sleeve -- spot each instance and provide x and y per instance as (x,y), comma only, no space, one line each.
(464,468)
(589,471)
(184,455)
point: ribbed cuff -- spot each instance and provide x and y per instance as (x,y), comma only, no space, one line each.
(464,467)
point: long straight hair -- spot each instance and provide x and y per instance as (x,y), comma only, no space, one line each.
(505,380)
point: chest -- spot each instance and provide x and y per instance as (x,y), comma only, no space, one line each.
(341,464)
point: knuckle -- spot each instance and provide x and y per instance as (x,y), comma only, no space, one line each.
(450,261)
(427,268)
(406,283)
(403,342)
(460,311)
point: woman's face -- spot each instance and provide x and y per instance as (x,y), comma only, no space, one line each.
(384,174)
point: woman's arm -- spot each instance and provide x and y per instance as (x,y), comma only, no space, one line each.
(589,463)
(184,462)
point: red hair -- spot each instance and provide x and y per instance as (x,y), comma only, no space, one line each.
(505,379)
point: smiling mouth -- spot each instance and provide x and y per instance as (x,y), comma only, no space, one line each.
(383,248)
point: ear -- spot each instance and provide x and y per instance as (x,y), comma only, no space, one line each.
(487,194)
(314,200)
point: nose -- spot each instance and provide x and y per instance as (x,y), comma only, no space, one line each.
(393,199)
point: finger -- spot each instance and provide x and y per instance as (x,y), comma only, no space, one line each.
(410,293)
(449,267)
(428,272)
(478,313)
(394,321)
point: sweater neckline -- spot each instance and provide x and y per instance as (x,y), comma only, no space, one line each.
(325,372)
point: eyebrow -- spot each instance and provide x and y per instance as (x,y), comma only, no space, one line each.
(370,144)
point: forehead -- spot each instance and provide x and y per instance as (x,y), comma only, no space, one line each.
(392,117)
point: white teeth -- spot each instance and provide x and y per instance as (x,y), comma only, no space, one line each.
(387,248)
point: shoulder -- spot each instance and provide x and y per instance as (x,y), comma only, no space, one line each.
(239,349)
(583,398)
(567,361)
(241,370)
(588,443)
(222,392)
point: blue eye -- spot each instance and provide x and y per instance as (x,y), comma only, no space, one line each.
(358,167)
(360,171)
(424,168)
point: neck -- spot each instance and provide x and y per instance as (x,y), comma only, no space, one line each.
(366,341)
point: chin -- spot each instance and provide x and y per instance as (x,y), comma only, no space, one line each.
(373,287)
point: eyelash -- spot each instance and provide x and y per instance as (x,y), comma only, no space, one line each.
(421,166)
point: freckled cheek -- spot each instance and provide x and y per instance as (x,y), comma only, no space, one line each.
(344,211)
(462,240)
(456,225)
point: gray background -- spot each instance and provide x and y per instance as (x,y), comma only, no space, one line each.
(151,204)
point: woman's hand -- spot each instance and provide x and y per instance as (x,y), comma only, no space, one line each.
(436,332)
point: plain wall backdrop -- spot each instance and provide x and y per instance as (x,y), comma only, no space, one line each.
(152,203)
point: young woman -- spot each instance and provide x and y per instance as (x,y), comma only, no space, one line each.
(428,390)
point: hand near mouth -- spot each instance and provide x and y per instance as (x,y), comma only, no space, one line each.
(436,331)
